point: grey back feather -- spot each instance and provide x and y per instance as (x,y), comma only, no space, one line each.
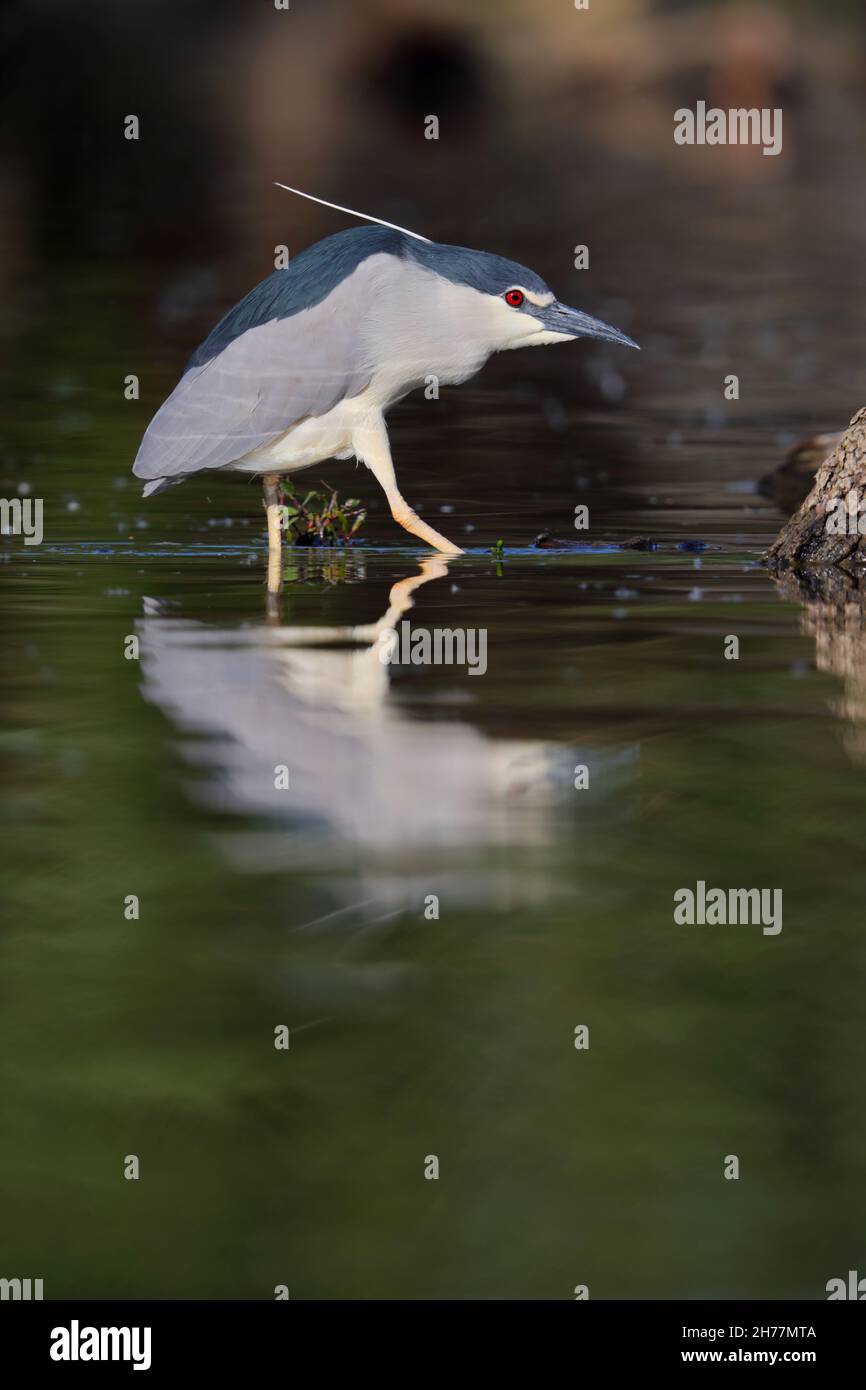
(308,279)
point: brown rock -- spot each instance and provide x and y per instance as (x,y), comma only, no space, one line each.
(804,541)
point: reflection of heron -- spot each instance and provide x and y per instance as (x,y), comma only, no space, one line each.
(368,784)
(306,366)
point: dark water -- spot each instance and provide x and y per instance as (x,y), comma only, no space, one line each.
(305,907)
(411,1036)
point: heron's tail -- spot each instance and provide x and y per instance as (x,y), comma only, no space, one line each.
(157,485)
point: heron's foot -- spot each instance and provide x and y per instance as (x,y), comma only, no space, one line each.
(411,521)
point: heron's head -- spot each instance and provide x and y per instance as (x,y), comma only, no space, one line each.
(509,306)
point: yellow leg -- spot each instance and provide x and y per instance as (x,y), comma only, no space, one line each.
(370,442)
(275,540)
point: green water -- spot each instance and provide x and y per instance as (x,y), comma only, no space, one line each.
(410,1036)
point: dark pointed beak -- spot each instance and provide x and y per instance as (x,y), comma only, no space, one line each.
(559,318)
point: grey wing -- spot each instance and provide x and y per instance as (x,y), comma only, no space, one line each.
(265,380)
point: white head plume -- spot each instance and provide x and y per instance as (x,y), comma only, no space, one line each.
(353,211)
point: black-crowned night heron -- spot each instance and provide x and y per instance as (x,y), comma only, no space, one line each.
(306,365)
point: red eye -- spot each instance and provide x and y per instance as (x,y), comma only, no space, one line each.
(515,298)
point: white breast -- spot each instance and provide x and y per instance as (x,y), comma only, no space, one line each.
(419,326)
